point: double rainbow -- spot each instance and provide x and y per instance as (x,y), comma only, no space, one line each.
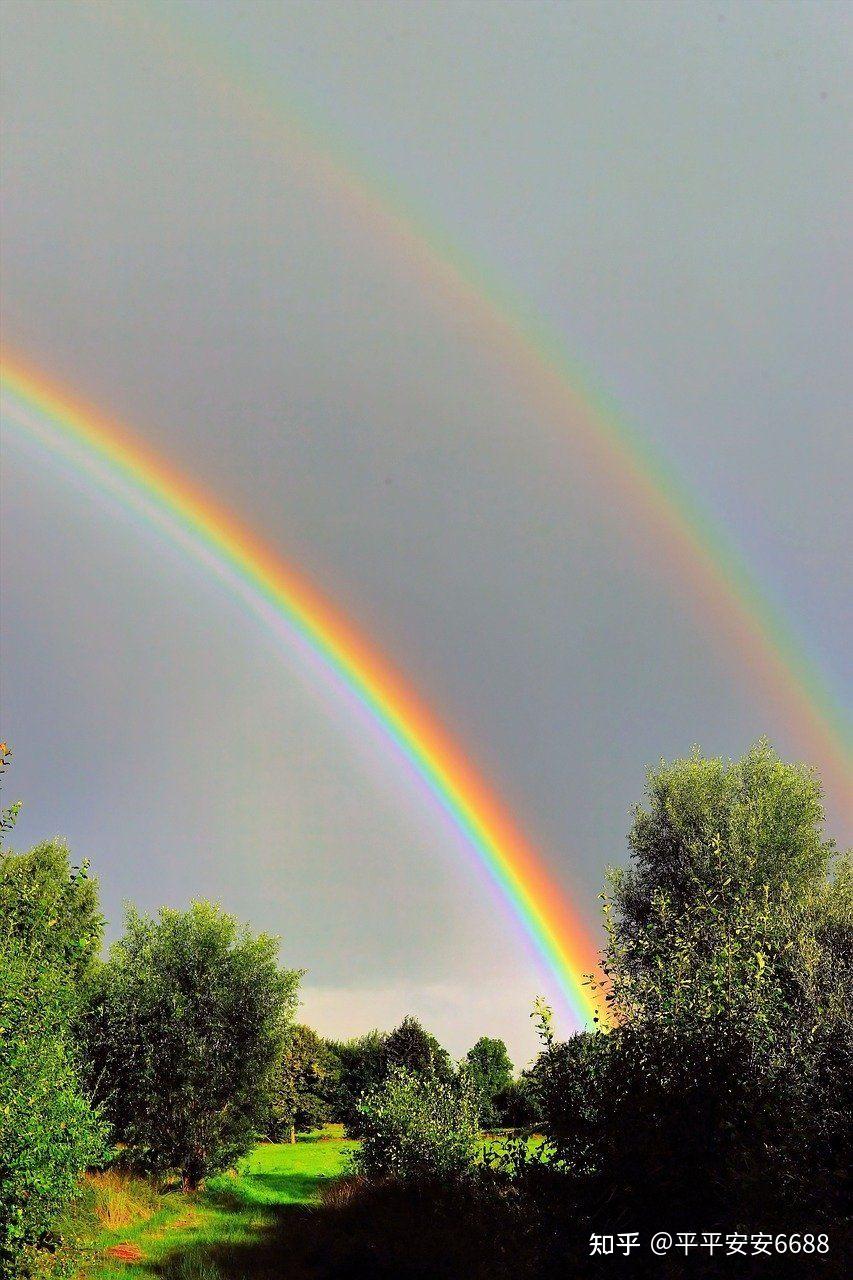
(532,355)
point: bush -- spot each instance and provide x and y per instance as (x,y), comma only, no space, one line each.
(48,1132)
(515,1105)
(49,928)
(184,1025)
(418,1128)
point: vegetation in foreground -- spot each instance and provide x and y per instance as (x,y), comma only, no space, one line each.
(713,1094)
(124,1227)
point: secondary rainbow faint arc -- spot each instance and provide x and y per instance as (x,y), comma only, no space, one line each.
(704,559)
(550,922)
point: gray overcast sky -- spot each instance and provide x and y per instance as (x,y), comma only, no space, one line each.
(665,185)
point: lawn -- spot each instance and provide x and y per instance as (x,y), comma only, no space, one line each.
(233,1212)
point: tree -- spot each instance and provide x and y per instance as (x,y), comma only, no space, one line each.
(414,1049)
(48,1130)
(490,1069)
(301,1083)
(360,1066)
(185,1023)
(368,1059)
(47,903)
(724,1086)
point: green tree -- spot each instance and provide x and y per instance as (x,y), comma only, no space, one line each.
(490,1069)
(724,1085)
(48,1130)
(47,903)
(360,1066)
(184,1026)
(413,1048)
(301,1083)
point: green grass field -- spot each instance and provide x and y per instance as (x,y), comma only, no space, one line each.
(232,1212)
(237,1228)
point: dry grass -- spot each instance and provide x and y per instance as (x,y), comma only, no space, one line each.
(124,1252)
(117,1200)
(342,1192)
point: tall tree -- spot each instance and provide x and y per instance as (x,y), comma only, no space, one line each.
(725,1084)
(490,1068)
(49,925)
(185,1023)
(359,1068)
(411,1047)
(302,1082)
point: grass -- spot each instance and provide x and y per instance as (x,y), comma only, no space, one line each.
(130,1232)
(282,1202)
(113,1201)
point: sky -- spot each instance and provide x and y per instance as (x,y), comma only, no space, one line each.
(664,186)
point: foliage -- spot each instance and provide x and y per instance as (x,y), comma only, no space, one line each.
(367,1060)
(515,1104)
(415,1050)
(48,1131)
(50,905)
(563,1085)
(724,1084)
(300,1085)
(418,1128)
(490,1069)
(359,1066)
(184,1025)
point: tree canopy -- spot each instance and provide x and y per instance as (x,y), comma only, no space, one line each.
(49,927)
(726,1078)
(490,1068)
(185,1023)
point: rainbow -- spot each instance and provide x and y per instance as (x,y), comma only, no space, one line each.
(531,356)
(121,465)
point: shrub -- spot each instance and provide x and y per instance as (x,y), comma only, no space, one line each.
(515,1105)
(183,1027)
(49,927)
(48,1132)
(418,1128)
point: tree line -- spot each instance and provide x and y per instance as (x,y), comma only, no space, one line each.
(714,1089)
(172,1054)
